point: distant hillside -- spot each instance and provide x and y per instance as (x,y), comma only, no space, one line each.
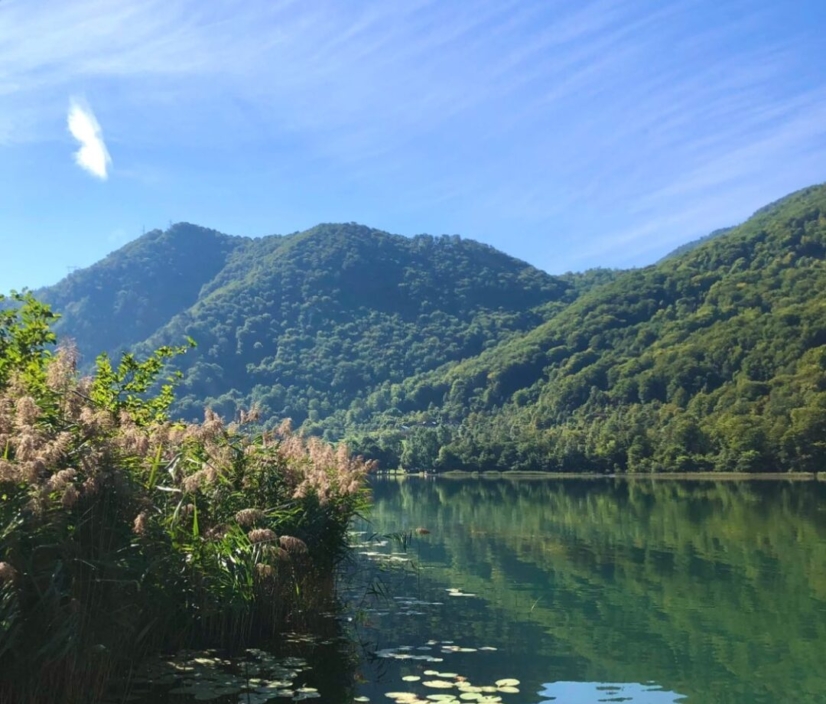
(688,246)
(440,352)
(125,297)
(306,324)
(713,359)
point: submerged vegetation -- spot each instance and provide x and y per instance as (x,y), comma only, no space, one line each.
(122,532)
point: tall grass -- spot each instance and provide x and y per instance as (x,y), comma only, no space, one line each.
(122,532)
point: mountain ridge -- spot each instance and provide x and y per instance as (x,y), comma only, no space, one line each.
(142,283)
(444,352)
(722,346)
(261,309)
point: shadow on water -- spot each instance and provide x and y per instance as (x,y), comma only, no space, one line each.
(315,664)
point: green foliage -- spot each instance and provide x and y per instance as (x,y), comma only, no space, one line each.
(688,246)
(121,300)
(443,353)
(305,325)
(125,387)
(714,359)
(122,532)
(25,337)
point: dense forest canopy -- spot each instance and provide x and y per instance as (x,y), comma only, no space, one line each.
(440,352)
(305,324)
(124,298)
(714,359)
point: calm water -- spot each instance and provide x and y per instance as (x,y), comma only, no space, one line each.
(578,591)
(598,591)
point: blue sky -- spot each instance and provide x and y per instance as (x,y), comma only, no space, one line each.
(569,133)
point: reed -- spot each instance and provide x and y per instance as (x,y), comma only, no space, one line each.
(122,532)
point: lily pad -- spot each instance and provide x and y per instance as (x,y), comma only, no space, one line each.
(507,682)
(438,684)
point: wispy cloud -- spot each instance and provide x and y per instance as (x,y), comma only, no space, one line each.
(92,155)
(599,128)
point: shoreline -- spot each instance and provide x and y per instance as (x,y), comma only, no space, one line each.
(681,476)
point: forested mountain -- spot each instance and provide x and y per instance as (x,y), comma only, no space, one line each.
(125,297)
(713,359)
(440,352)
(305,324)
(688,246)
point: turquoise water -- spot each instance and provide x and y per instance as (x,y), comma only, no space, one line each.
(597,591)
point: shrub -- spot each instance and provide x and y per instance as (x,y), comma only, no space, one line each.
(122,531)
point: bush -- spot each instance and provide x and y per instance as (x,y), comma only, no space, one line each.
(122,531)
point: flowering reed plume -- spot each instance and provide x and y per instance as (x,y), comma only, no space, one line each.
(128,507)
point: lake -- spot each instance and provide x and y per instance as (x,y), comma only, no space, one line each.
(646,592)
(569,591)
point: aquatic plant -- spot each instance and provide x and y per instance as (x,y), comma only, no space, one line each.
(121,530)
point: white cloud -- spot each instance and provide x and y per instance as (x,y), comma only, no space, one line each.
(622,123)
(92,155)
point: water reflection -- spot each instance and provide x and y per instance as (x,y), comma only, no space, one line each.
(500,592)
(593,692)
(715,591)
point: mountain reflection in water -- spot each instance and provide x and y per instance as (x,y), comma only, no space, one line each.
(697,591)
